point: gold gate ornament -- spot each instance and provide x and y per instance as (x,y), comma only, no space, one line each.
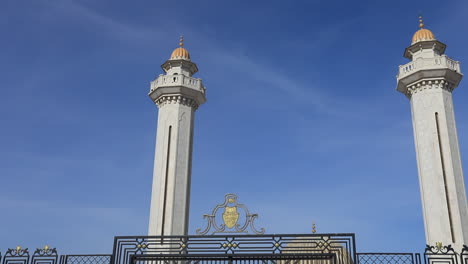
(231,214)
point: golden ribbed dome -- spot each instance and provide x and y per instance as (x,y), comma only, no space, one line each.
(422,34)
(180,52)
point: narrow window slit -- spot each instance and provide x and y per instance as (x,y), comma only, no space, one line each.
(165,181)
(444,178)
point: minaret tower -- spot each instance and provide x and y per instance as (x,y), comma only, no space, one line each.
(177,95)
(428,81)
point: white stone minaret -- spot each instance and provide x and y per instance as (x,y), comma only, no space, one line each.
(177,95)
(428,81)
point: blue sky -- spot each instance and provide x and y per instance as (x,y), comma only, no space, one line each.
(303,121)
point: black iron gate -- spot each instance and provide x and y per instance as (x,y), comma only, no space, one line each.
(328,258)
(242,249)
(237,249)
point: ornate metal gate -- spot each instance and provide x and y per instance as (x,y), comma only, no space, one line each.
(235,259)
(245,249)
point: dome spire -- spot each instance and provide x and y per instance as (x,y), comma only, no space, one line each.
(180,53)
(421,23)
(423,34)
(181,41)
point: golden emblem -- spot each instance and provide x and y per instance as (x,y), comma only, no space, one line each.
(230,216)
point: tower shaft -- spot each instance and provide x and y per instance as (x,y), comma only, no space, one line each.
(439,164)
(170,200)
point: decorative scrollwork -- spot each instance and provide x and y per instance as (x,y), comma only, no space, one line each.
(230,218)
(45,255)
(464,249)
(17,252)
(45,252)
(439,249)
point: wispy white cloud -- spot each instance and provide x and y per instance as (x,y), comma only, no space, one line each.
(293,90)
(106,25)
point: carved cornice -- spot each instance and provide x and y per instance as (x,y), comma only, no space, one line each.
(175,99)
(422,85)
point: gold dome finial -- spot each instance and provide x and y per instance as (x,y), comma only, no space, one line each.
(180,52)
(423,34)
(181,41)
(313,228)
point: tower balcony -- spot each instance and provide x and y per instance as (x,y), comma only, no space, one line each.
(177,80)
(438,62)
(439,67)
(178,84)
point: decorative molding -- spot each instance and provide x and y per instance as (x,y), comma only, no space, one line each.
(175,99)
(423,85)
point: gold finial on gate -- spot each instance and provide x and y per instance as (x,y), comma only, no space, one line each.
(313,228)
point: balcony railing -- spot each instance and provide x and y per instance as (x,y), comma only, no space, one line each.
(177,80)
(428,64)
